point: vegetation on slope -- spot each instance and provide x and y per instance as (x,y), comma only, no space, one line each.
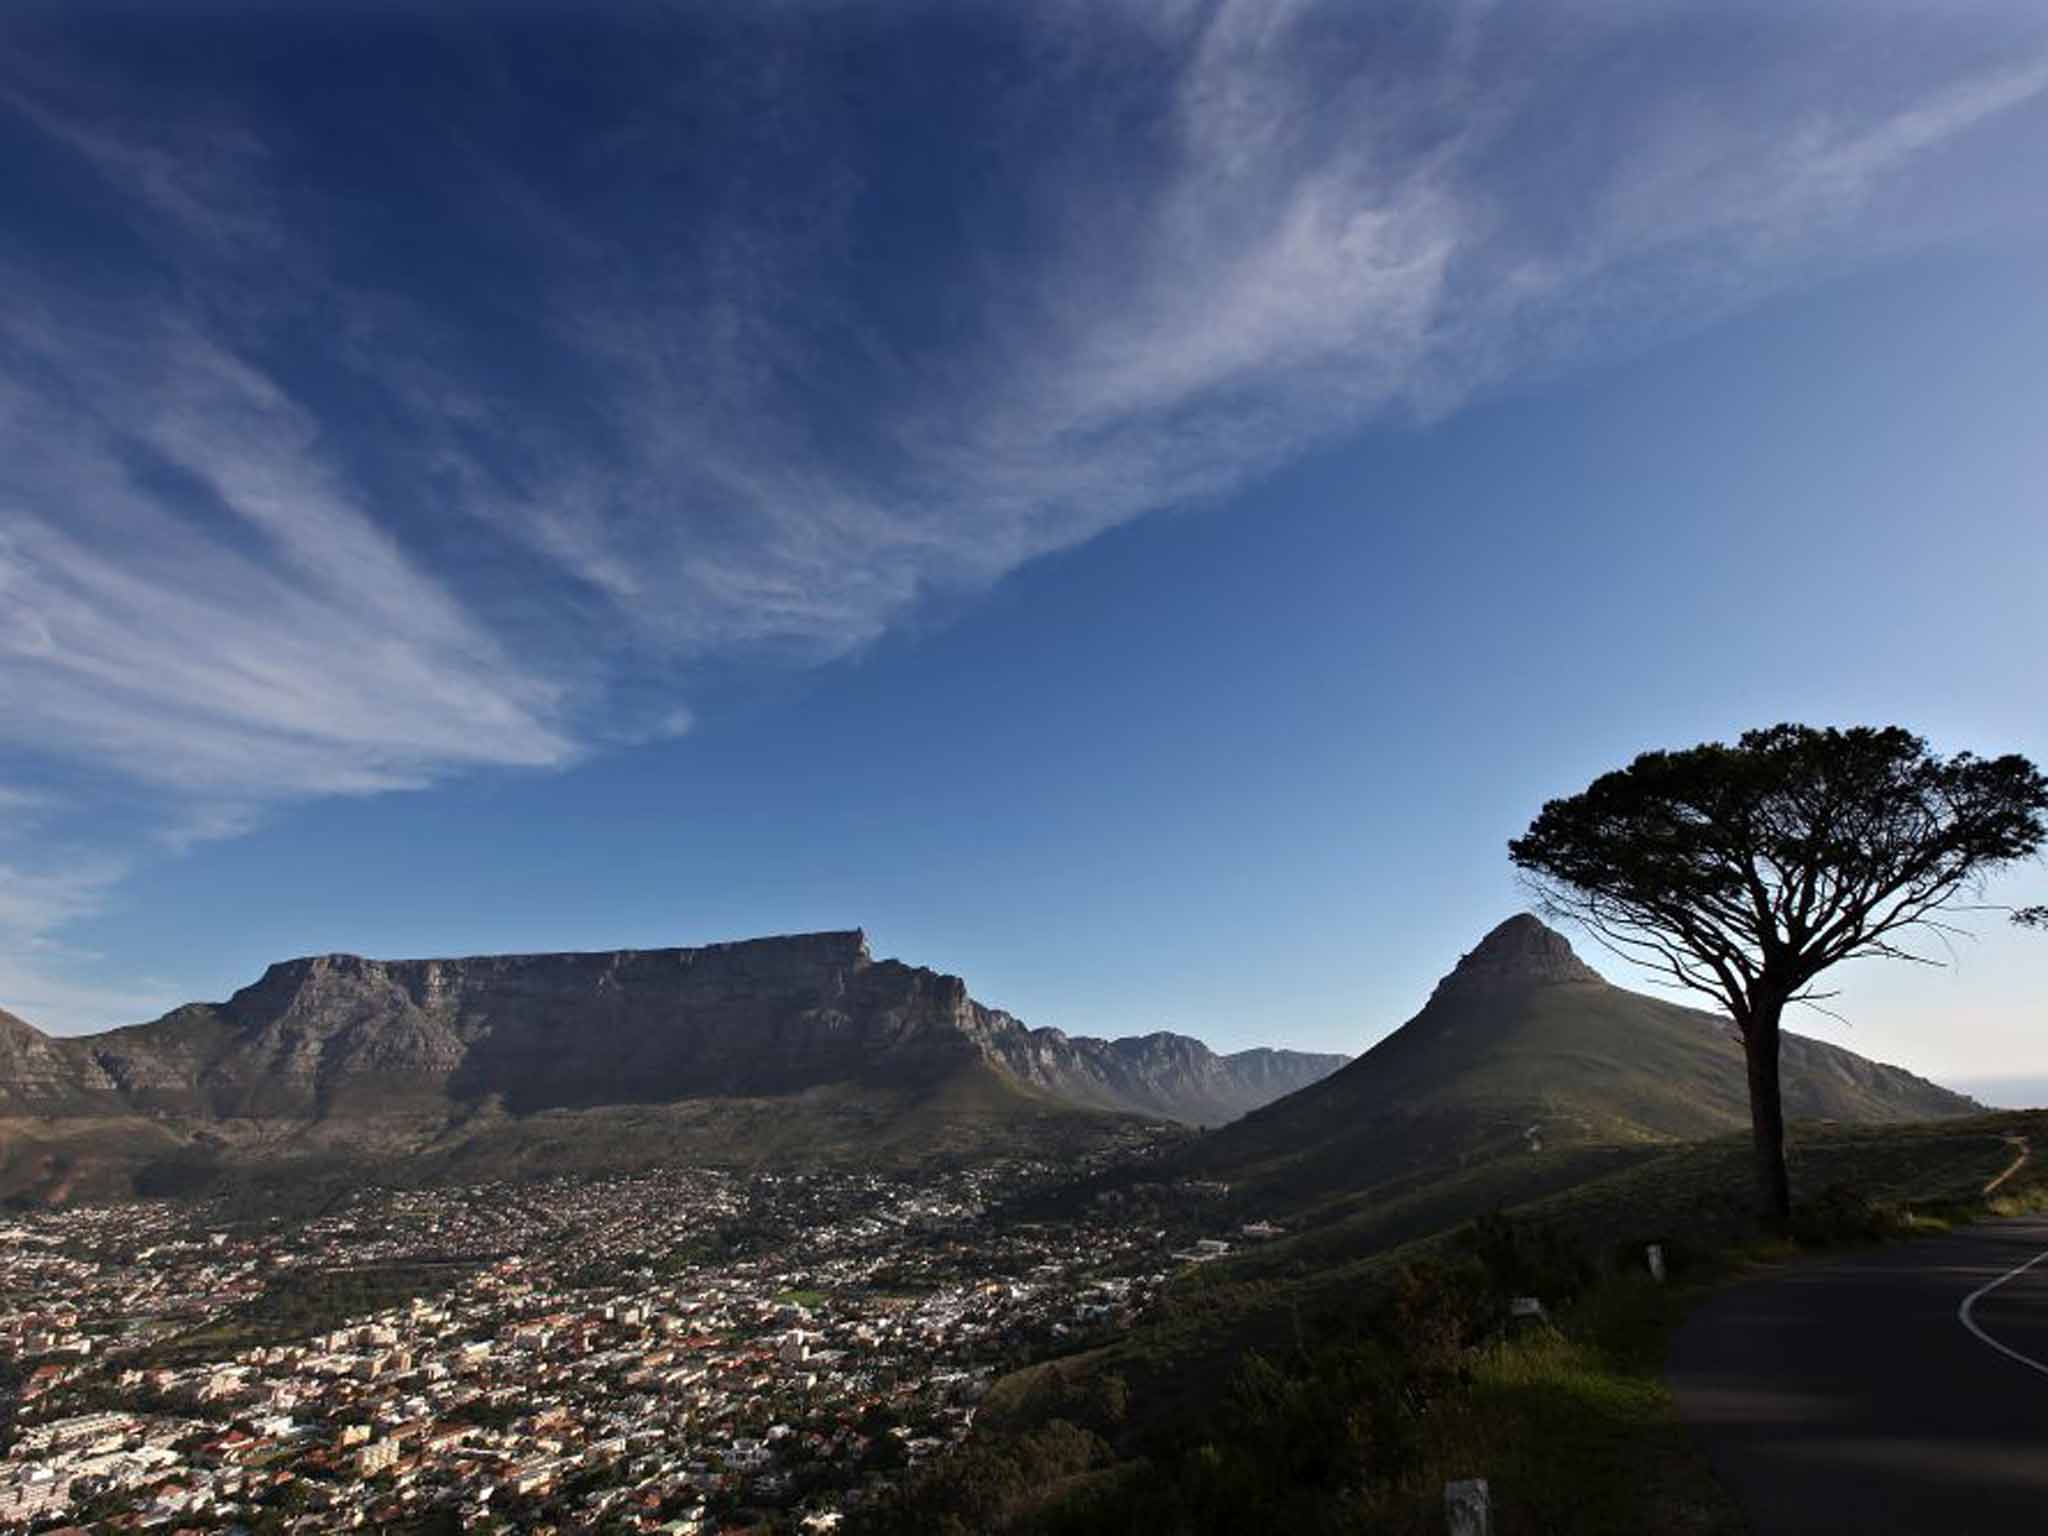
(1537,1064)
(968,1113)
(1308,1388)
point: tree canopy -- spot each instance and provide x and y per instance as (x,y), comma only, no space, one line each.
(1786,853)
(1743,872)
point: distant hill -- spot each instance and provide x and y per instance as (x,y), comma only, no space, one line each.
(782,1046)
(39,1075)
(1169,1076)
(1525,1050)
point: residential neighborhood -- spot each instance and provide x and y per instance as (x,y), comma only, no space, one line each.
(681,1351)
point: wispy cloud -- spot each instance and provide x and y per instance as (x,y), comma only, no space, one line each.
(46,981)
(35,901)
(256,634)
(52,986)
(1296,251)
(202,172)
(315,496)
(21,808)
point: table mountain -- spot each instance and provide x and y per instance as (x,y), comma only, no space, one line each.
(405,1055)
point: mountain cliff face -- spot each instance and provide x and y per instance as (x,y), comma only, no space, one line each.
(337,1041)
(1164,1075)
(1522,1047)
(339,1034)
(1520,953)
(40,1076)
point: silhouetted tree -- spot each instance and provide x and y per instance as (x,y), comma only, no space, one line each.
(1745,871)
(2031,917)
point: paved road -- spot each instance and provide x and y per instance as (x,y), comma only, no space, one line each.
(1852,1396)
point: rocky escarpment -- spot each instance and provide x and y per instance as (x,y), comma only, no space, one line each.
(1520,952)
(340,1036)
(1163,1074)
(41,1076)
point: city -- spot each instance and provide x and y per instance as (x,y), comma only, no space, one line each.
(675,1351)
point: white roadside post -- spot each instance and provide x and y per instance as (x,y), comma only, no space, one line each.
(1468,1508)
(1655,1253)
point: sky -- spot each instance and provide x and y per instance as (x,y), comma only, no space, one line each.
(1131,504)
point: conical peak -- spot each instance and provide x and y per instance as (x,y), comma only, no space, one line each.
(1522,951)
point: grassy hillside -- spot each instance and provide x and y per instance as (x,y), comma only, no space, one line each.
(1601,1199)
(1333,1381)
(972,1112)
(53,1161)
(1539,1067)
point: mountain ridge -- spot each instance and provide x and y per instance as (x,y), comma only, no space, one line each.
(407,1052)
(807,1042)
(1522,1046)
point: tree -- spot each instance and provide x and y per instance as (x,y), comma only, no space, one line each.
(1744,872)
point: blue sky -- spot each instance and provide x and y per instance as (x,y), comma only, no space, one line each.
(1132,504)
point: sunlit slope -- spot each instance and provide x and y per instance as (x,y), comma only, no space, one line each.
(1525,1051)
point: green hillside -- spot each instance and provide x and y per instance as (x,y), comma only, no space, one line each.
(1333,1380)
(1525,1052)
(968,1111)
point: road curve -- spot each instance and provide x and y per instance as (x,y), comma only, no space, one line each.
(1864,1395)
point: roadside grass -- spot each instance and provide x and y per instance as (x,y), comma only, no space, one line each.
(1572,1426)
(1694,1198)
(1569,1421)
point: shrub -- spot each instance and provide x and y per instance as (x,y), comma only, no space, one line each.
(1523,1258)
(1840,1214)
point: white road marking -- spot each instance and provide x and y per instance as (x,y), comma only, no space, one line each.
(1969,1322)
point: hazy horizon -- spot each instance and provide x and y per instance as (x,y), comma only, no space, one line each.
(2005,1092)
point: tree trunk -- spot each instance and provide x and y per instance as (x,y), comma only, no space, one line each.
(1767,1114)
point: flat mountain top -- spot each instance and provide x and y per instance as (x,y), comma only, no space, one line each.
(349,1052)
(833,946)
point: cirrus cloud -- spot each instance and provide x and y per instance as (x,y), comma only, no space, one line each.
(374,445)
